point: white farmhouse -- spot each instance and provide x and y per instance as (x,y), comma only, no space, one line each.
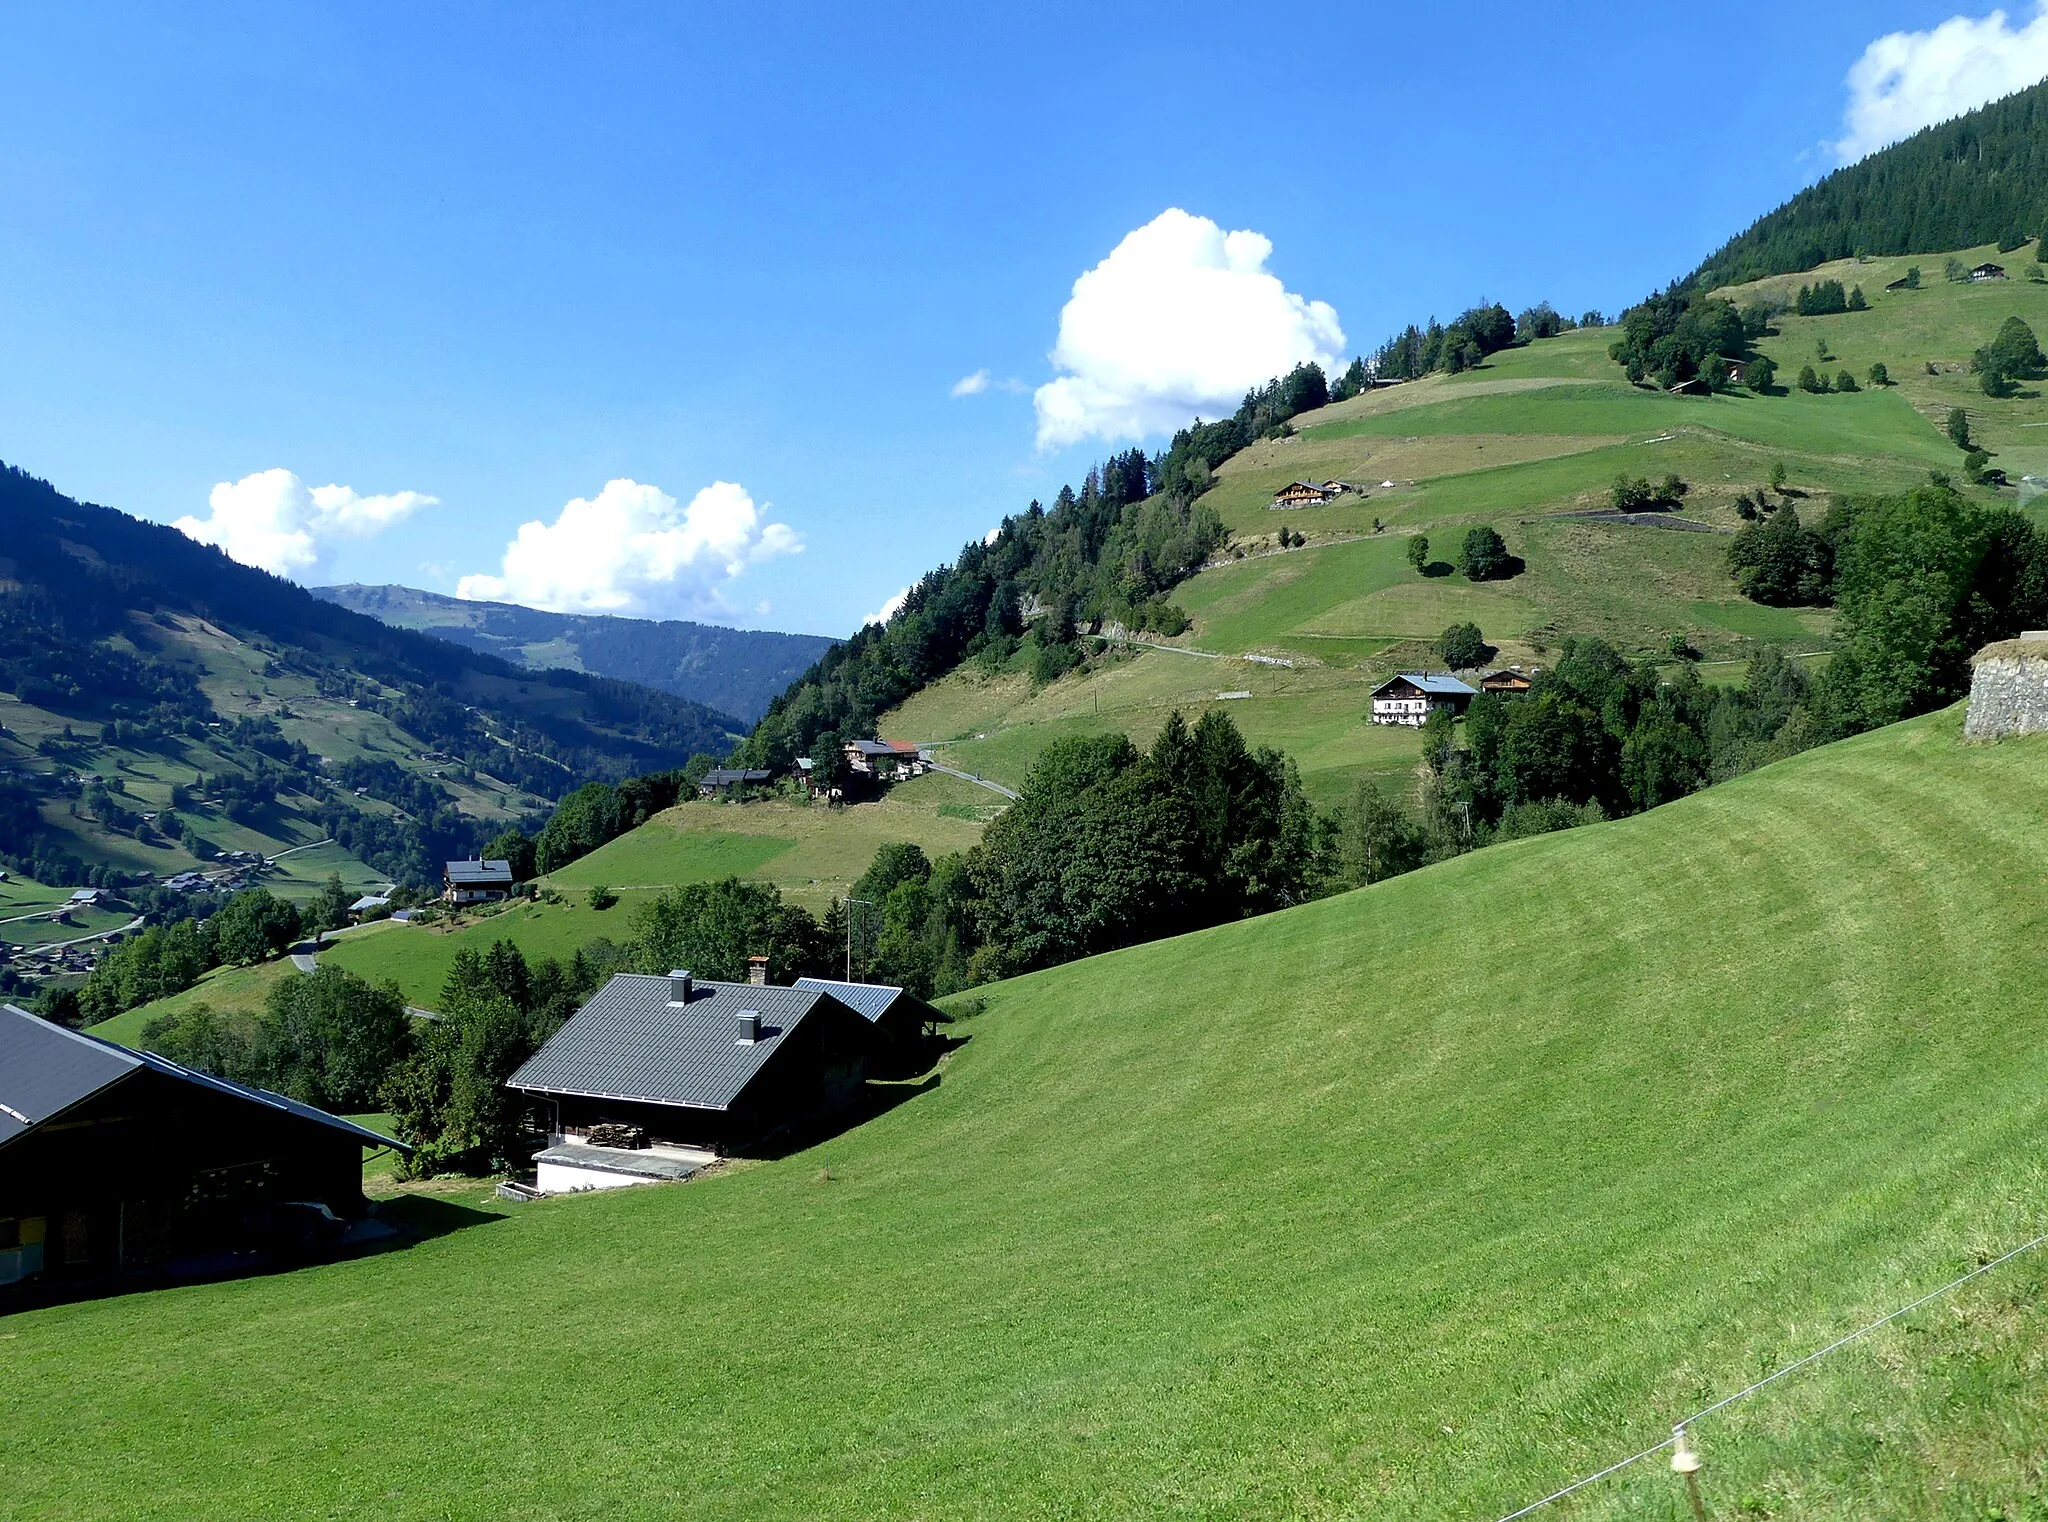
(1410,697)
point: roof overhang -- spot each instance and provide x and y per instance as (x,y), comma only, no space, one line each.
(630,1099)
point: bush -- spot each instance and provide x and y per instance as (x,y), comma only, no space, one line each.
(1418,551)
(329,1038)
(253,926)
(602,897)
(1879,375)
(1760,375)
(1462,647)
(1846,382)
(1054,660)
(1484,555)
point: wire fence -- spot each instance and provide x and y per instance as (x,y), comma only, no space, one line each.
(1791,1368)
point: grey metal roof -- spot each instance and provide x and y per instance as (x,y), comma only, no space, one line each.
(871,1001)
(47,1068)
(884,747)
(479,871)
(629,1042)
(1448,685)
(725,776)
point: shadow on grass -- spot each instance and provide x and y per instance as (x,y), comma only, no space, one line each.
(878,1097)
(421,1217)
(399,1223)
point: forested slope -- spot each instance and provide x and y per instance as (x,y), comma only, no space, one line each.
(1980,178)
(735,671)
(131,651)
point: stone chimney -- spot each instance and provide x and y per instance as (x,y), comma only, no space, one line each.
(757,971)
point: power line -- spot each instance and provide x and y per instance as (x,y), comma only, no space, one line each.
(1795,1365)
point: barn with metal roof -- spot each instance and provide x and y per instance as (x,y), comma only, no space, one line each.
(711,1064)
(900,1017)
(116,1162)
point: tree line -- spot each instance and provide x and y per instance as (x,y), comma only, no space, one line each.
(1981,178)
(1474,334)
(1920,580)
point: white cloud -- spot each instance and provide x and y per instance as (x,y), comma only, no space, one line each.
(992,535)
(631,550)
(971,385)
(1182,318)
(273,520)
(889,609)
(1908,80)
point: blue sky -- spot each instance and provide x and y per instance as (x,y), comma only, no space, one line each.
(501,256)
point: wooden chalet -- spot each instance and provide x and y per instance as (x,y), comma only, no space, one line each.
(117,1163)
(901,1020)
(476,882)
(1988,272)
(724,780)
(1506,683)
(1308,493)
(691,1063)
(883,758)
(1410,697)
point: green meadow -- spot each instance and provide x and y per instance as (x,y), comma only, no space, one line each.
(417,957)
(1416,1202)
(812,853)
(1524,443)
(225,990)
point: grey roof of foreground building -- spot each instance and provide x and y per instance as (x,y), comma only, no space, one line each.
(46,1068)
(632,1041)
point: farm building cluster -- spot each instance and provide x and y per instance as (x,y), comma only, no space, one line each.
(121,1165)
(1309,493)
(1410,697)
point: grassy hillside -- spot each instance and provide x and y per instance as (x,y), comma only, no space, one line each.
(226,990)
(1525,442)
(1415,1202)
(811,853)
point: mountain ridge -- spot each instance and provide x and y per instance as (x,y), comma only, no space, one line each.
(140,665)
(736,671)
